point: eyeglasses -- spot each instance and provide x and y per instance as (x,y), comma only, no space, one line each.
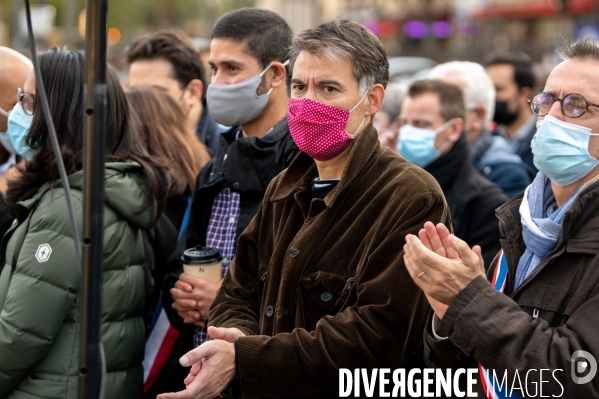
(573,105)
(27,101)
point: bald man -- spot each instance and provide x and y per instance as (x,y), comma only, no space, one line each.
(14,69)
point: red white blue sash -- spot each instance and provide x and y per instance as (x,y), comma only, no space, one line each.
(491,387)
(162,336)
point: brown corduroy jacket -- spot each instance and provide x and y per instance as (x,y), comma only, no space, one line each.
(318,285)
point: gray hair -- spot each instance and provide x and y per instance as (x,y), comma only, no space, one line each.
(472,78)
(583,49)
(347,39)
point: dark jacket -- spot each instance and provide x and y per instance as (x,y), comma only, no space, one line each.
(493,158)
(523,148)
(318,285)
(471,198)
(159,243)
(208,131)
(552,314)
(246,165)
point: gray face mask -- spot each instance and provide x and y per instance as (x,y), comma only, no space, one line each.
(237,104)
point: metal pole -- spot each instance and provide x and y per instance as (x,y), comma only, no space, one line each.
(91,358)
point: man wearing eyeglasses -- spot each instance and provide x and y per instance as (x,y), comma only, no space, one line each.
(533,319)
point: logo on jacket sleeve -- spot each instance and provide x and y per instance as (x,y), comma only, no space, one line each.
(43,252)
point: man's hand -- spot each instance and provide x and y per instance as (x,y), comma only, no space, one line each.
(441,264)
(213,368)
(437,240)
(226,334)
(192,297)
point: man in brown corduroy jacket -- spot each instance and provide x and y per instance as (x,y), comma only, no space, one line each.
(318,282)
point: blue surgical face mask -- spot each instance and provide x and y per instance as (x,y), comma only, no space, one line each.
(4,137)
(561,150)
(18,127)
(417,145)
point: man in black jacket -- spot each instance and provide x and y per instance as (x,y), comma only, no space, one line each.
(249,92)
(432,137)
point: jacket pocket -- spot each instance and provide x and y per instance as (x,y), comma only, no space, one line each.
(551,303)
(324,294)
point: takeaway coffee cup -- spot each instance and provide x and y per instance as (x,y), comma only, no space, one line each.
(202,262)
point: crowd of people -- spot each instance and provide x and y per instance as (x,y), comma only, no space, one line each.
(460,235)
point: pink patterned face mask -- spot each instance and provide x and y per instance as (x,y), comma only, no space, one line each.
(319,129)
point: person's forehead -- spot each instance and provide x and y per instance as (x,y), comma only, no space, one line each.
(323,67)
(575,76)
(423,105)
(229,50)
(156,72)
(13,75)
(501,71)
(157,67)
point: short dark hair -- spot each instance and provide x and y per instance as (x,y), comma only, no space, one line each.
(451,98)
(352,40)
(174,47)
(265,34)
(524,75)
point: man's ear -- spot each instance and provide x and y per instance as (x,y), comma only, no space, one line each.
(278,74)
(479,117)
(525,94)
(196,91)
(375,98)
(455,130)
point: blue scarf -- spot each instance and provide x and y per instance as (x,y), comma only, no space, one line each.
(542,223)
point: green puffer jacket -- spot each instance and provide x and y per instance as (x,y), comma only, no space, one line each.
(39,291)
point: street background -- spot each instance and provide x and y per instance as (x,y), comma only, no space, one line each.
(437,30)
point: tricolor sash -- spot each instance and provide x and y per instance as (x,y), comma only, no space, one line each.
(492,388)
(162,336)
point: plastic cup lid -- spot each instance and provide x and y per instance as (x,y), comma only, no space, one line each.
(200,256)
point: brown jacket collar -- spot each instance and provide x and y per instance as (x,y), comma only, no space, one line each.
(302,171)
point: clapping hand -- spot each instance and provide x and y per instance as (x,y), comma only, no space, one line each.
(441,264)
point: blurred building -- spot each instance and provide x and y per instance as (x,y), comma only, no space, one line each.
(454,29)
(438,29)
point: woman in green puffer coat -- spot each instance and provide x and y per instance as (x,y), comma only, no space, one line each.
(39,277)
